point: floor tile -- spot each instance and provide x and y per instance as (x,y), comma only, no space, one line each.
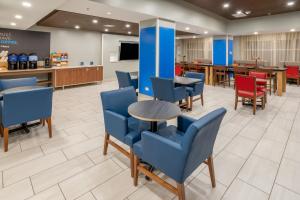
(241,146)
(281,193)
(289,175)
(259,172)
(87,196)
(60,172)
(97,155)
(19,158)
(107,191)
(252,132)
(240,190)
(292,151)
(52,193)
(27,169)
(89,179)
(227,166)
(270,150)
(19,191)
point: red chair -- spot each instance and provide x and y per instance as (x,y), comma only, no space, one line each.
(245,87)
(178,70)
(292,72)
(261,81)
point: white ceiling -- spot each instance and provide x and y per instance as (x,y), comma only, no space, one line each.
(39,9)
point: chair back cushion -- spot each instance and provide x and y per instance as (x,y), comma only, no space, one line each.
(195,75)
(124,79)
(163,89)
(25,106)
(245,83)
(260,75)
(199,140)
(18,82)
(178,70)
(119,100)
(292,71)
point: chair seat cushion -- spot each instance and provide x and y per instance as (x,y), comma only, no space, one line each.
(247,94)
(261,82)
(292,76)
(132,137)
(172,133)
(190,91)
(137,148)
(261,89)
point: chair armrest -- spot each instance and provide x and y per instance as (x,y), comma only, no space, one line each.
(164,154)
(135,83)
(183,122)
(115,124)
(180,93)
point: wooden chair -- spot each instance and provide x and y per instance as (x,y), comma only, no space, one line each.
(221,75)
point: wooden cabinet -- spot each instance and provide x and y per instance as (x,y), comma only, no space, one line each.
(78,75)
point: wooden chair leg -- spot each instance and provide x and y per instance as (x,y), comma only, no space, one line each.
(1,130)
(136,161)
(42,121)
(254,106)
(202,100)
(236,102)
(191,103)
(181,192)
(105,147)
(5,135)
(49,127)
(131,157)
(210,164)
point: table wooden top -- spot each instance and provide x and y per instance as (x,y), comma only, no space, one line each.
(185,80)
(154,111)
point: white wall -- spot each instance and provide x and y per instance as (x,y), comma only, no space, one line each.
(82,46)
(268,24)
(111,45)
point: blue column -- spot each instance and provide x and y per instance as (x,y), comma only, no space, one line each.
(223,50)
(157,52)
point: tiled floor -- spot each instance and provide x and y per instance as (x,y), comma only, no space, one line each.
(256,157)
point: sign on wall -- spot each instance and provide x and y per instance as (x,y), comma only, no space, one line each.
(23,41)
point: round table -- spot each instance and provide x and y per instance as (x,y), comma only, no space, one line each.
(154,111)
(17,89)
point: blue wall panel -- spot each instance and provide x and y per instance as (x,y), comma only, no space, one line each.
(147,59)
(219,53)
(230,52)
(166,52)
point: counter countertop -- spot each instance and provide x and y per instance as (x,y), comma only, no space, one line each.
(5,70)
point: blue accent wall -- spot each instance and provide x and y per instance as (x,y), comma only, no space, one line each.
(219,52)
(147,59)
(230,52)
(166,52)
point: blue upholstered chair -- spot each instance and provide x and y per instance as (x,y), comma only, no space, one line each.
(178,151)
(119,123)
(25,106)
(197,88)
(124,80)
(19,82)
(164,89)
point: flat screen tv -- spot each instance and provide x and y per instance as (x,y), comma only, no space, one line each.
(129,51)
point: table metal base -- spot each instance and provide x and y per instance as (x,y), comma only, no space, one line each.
(25,127)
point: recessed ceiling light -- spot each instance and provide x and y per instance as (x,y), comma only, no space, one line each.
(205,32)
(129,32)
(292,30)
(108,13)
(18,16)
(95,21)
(77,26)
(26,4)
(290,3)
(226,5)
(13,24)
(194,36)
(239,12)
(255,33)
(109,25)
(187,28)
(106,30)
(127,25)
(248,12)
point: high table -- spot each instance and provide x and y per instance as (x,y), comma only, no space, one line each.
(154,111)
(23,126)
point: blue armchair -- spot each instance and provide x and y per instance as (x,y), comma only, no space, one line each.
(197,88)
(19,82)
(25,106)
(124,80)
(165,90)
(178,151)
(119,123)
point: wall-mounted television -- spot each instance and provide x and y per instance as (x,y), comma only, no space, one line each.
(129,51)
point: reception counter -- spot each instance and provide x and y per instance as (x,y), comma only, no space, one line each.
(59,77)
